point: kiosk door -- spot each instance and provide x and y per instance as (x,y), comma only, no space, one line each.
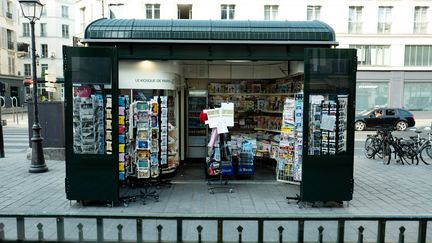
(91,84)
(328,130)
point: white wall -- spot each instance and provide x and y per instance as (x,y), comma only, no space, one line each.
(54,38)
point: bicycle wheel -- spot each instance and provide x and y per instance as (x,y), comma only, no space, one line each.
(425,153)
(369,148)
(386,153)
(408,154)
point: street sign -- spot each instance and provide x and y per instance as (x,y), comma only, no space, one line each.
(49,89)
(51,85)
(50,78)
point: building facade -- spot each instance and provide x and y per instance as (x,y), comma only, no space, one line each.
(11,87)
(52,31)
(393,38)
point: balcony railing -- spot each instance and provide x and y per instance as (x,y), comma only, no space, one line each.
(22,47)
(172,228)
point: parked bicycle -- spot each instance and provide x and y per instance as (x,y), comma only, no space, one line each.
(385,146)
(422,146)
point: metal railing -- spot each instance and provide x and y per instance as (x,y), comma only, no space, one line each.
(179,220)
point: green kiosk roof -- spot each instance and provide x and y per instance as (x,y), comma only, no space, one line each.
(209,31)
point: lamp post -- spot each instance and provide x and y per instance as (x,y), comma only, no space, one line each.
(32,10)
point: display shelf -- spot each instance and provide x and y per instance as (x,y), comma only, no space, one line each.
(266,130)
(254,94)
(269,111)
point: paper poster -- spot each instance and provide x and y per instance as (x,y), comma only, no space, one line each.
(228,113)
(328,122)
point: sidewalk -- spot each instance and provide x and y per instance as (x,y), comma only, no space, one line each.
(379,190)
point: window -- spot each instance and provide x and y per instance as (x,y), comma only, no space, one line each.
(418,95)
(65,31)
(82,19)
(416,55)
(11,65)
(44,51)
(43,29)
(44,11)
(184,11)
(9,9)
(384,20)
(369,55)
(64,11)
(227,11)
(390,112)
(152,11)
(371,94)
(271,12)
(355,19)
(44,67)
(27,70)
(420,20)
(26,30)
(313,12)
(10,39)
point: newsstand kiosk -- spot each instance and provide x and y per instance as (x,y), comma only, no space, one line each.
(328,133)
(92,98)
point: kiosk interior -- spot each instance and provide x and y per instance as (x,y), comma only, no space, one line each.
(291,103)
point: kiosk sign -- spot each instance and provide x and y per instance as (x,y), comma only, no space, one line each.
(147,75)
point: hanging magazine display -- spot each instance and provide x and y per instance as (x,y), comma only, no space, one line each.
(289,158)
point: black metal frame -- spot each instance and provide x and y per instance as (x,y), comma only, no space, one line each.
(60,226)
(91,176)
(329,177)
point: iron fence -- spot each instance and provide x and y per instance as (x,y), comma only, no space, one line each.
(179,220)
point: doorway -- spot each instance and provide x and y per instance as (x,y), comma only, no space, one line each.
(184,11)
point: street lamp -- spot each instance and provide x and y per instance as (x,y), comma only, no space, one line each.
(32,10)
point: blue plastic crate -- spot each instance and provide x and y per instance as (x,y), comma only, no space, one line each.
(227,169)
(246,170)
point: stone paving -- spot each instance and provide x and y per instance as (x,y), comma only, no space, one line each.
(382,190)
(379,190)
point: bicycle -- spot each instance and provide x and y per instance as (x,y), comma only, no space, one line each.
(423,147)
(402,151)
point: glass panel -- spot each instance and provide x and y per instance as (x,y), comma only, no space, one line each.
(88,119)
(231,11)
(370,94)
(266,12)
(223,11)
(157,11)
(418,96)
(85,69)
(327,135)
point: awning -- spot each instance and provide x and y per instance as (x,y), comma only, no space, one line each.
(209,31)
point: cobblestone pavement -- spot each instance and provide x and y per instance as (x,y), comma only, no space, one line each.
(379,189)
